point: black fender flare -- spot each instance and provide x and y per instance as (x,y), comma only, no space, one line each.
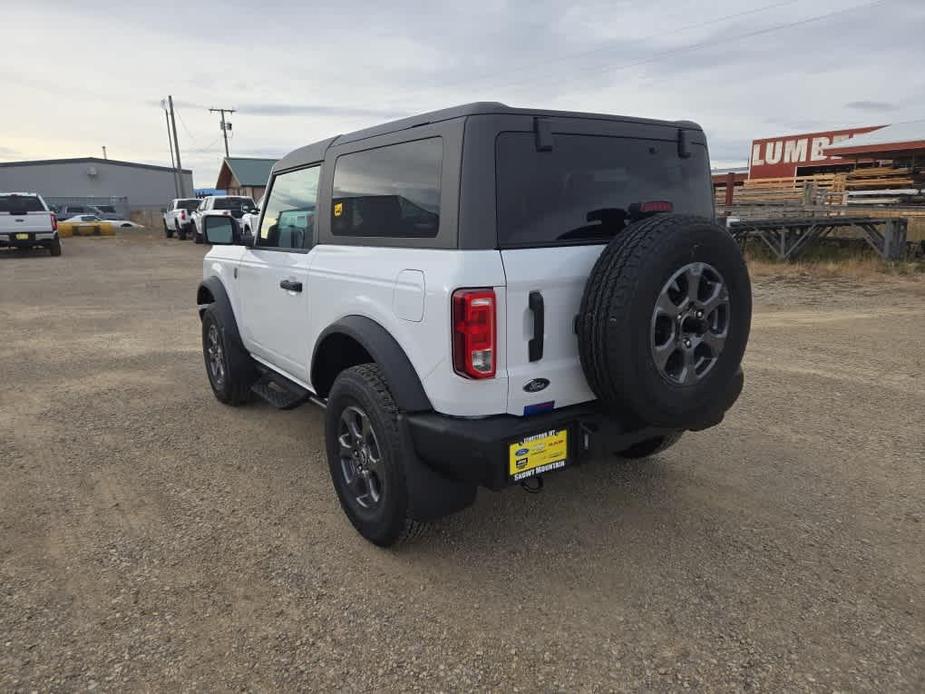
(213,286)
(402,379)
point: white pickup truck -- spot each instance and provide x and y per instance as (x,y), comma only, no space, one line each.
(26,221)
(179,217)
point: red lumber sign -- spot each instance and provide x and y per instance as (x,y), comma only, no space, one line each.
(779,157)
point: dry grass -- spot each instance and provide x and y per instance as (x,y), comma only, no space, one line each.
(831,263)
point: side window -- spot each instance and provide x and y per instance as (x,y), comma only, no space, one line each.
(391,191)
(289,210)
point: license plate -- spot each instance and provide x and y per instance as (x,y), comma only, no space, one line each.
(534,455)
(22,237)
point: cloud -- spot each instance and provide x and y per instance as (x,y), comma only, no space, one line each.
(759,68)
(874,106)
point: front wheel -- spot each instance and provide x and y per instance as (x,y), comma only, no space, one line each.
(366,456)
(168,232)
(230,368)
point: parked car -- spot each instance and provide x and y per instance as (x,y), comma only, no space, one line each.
(26,222)
(107,212)
(91,218)
(178,217)
(235,206)
(481,296)
(101,211)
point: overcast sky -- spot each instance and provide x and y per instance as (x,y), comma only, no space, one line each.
(79,75)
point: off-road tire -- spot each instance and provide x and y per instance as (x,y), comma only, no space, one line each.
(616,309)
(168,232)
(650,447)
(389,522)
(55,247)
(240,372)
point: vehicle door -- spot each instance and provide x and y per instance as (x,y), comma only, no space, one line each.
(273,274)
(557,208)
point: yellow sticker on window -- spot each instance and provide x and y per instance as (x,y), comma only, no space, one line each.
(338,209)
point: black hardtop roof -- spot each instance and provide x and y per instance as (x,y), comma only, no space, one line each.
(315,151)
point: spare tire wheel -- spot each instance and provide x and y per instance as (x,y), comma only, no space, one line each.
(664,321)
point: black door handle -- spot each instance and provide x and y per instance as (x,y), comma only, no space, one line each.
(290,285)
(535,345)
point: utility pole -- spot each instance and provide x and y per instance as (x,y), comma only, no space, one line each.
(225,126)
(176,146)
(173,165)
(104,152)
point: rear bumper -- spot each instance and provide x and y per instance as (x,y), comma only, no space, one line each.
(477,450)
(33,238)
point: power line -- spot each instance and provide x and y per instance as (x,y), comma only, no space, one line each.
(183,123)
(208,147)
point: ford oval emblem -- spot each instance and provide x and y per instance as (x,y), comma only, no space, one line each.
(522,451)
(536,385)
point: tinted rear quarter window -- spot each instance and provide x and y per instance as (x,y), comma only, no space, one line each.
(589,187)
(391,191)
(17,204)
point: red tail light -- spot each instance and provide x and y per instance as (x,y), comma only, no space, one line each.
(656,206)
(474,333)
(54,222)
(182,215)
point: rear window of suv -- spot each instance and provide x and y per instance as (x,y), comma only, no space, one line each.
(188,205)
(228,203)
(18,204)
(589,187)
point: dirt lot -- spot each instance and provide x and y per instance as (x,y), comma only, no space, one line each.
(151,538)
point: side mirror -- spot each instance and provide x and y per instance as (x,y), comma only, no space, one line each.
(221,231)
(247,239)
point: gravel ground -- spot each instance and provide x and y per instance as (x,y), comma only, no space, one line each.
(151,538)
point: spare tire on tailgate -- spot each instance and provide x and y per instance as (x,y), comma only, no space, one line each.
(664,322)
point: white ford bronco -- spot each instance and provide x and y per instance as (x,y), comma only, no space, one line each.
(480,296)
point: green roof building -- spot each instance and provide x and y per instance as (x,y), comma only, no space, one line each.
(245,176)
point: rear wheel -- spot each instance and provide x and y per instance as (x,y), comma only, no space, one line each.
(196,237)
(168,232)
(366,456)
(55,247)
(181,232)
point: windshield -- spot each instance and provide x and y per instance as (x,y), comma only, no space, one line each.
(188,205)
(233,203)
(589,187)
(20,204)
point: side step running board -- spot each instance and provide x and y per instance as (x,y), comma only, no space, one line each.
(279,392)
